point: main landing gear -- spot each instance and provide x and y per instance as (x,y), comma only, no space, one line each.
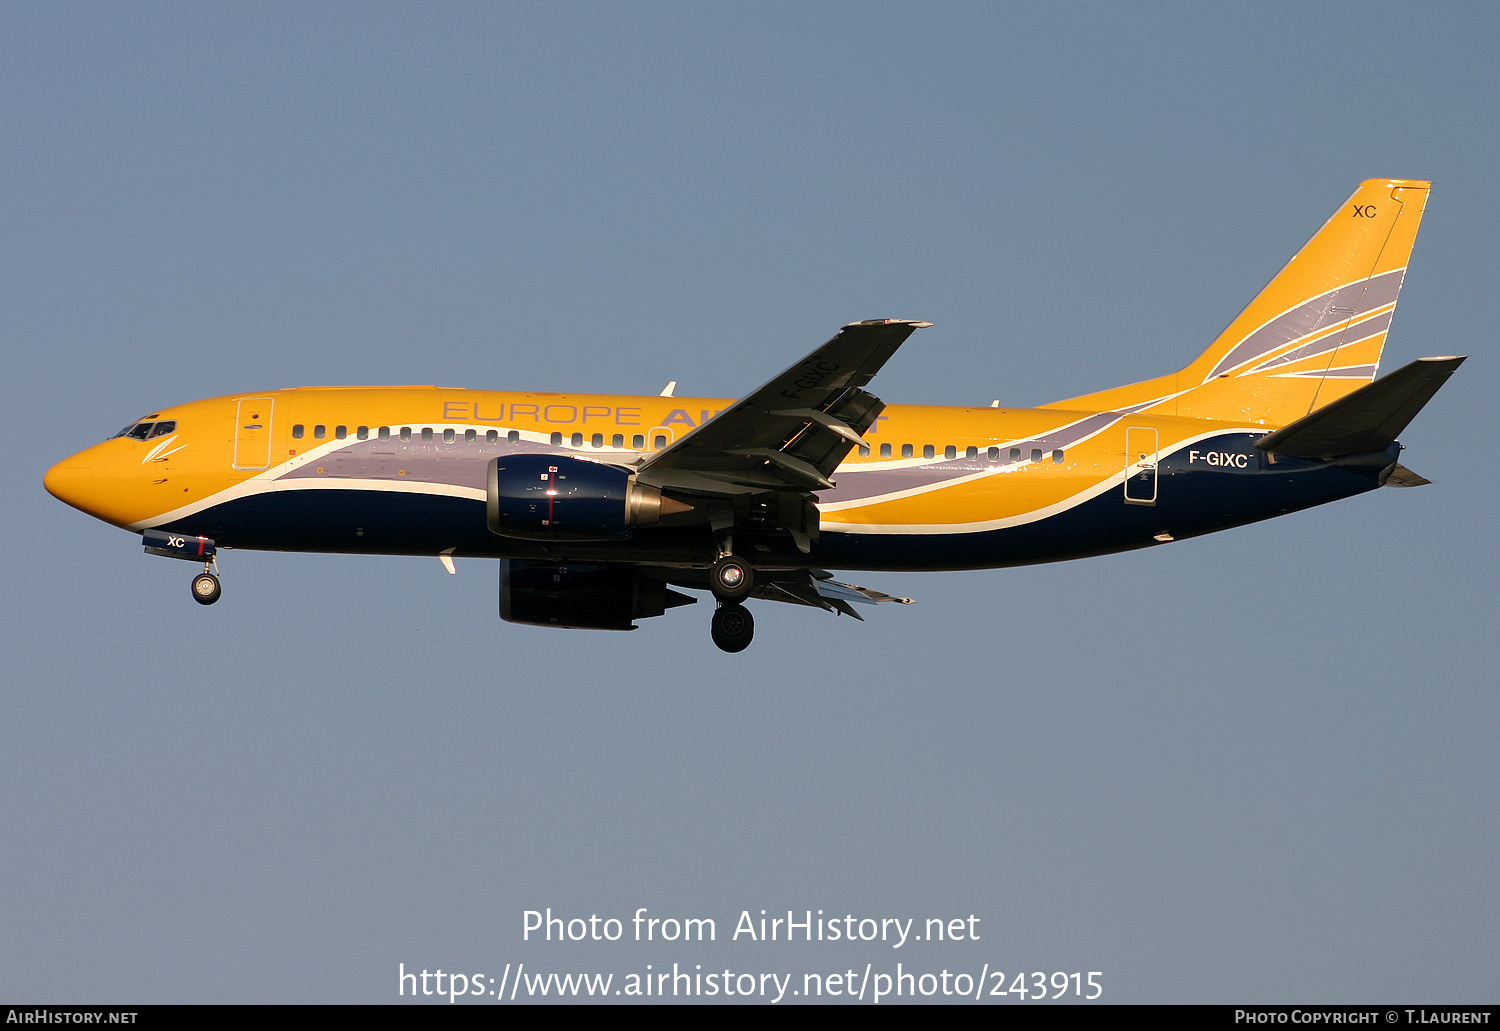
(733,627)
(731,578)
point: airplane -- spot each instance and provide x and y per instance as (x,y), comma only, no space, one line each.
(598,506)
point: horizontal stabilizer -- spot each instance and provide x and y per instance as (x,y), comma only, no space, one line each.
(1369,419)
(1401,476)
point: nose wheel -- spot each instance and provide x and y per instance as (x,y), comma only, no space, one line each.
(733,627)
(206,589)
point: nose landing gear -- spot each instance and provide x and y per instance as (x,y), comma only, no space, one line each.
(206,589)
(732,627)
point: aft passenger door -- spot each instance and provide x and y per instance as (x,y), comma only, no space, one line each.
(252,433)
(1140,465)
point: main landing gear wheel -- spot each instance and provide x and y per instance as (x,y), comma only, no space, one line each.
(732,627)
(206,588)
(731,578)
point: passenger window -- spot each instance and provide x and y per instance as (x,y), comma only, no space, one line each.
(950,451)
(296,432)
(1057,458)
(618,440)
(660,442)
(513,437)
(470,436)
(1036,454)
(578,440)
(556,438)
(406,433)
(448,436)
(972,452)
(341,432)
(928,450)
(597,440)
(864,451)
(426,432)
(993,454)
(320,431)
(906,450)
(1015,454)
(885,451)
(161,429)
(492,437)
(363,433)
(638,442)
(385,433)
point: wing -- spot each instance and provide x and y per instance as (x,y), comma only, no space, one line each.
(793,432)
(818,588)
(815,588)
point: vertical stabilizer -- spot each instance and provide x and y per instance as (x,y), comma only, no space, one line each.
(1313,335)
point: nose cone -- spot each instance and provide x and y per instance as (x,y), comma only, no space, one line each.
(75,481)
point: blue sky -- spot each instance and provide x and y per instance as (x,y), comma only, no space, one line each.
(1257,766)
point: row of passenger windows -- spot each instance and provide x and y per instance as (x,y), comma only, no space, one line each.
(951,451)
(384,433)
(638,442)
(320,432)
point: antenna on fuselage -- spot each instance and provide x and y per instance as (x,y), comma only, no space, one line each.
(666,391)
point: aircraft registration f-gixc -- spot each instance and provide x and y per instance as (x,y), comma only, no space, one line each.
(597,506)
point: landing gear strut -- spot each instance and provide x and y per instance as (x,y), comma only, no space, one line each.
(732,627)
(206,588)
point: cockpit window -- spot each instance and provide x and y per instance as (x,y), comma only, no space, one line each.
(147,430)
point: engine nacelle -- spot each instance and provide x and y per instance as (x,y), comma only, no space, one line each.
(553,497)
(581,597)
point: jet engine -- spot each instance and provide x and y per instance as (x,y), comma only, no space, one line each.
(584,597)
(554,497)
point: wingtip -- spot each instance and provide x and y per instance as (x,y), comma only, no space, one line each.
(913,323)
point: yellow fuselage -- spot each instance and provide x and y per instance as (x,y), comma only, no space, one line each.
(401,470)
